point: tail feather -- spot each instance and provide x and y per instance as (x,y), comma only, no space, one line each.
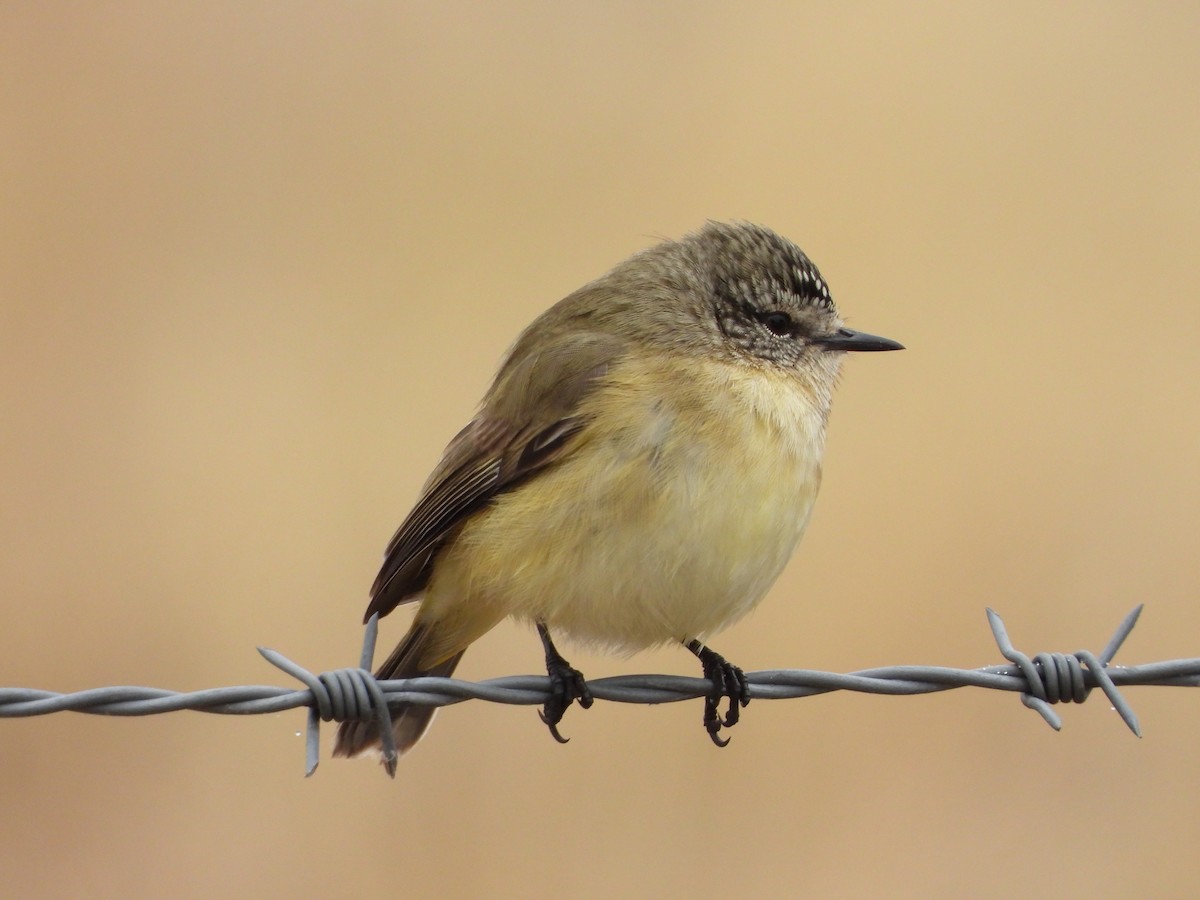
(409,721)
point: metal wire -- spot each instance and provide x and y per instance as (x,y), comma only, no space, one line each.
(352,694)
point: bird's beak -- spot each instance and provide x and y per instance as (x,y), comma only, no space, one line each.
(850,340)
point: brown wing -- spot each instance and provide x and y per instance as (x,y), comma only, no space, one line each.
(526,424)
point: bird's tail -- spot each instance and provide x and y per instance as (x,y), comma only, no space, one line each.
(409,722)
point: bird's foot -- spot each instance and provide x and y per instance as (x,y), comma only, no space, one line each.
(566,686)
(728,681)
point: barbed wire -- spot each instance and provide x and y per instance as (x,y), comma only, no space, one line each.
(354,694)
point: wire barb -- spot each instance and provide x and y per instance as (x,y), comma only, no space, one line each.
(343,695)
(355,694)
(1060,677)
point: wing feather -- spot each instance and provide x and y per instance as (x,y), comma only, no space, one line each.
(525,424)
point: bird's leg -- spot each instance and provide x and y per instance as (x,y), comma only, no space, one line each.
(566,686)
(728,681)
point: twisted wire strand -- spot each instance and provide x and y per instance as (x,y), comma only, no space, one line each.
(353,693)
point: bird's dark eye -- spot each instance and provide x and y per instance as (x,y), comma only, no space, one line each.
(779,323)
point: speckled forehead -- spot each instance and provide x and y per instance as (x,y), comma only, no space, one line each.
(747,261)
(785,268)
(807,282)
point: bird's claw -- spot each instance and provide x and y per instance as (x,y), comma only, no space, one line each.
(567,685)
(728,681)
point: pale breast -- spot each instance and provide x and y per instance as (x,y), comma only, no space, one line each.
(683,501)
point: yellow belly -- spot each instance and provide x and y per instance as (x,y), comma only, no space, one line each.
(668,520)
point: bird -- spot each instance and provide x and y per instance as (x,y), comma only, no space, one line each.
(639,472)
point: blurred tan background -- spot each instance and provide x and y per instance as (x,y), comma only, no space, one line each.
(258,262)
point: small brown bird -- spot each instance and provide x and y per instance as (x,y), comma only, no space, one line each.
(639,472)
